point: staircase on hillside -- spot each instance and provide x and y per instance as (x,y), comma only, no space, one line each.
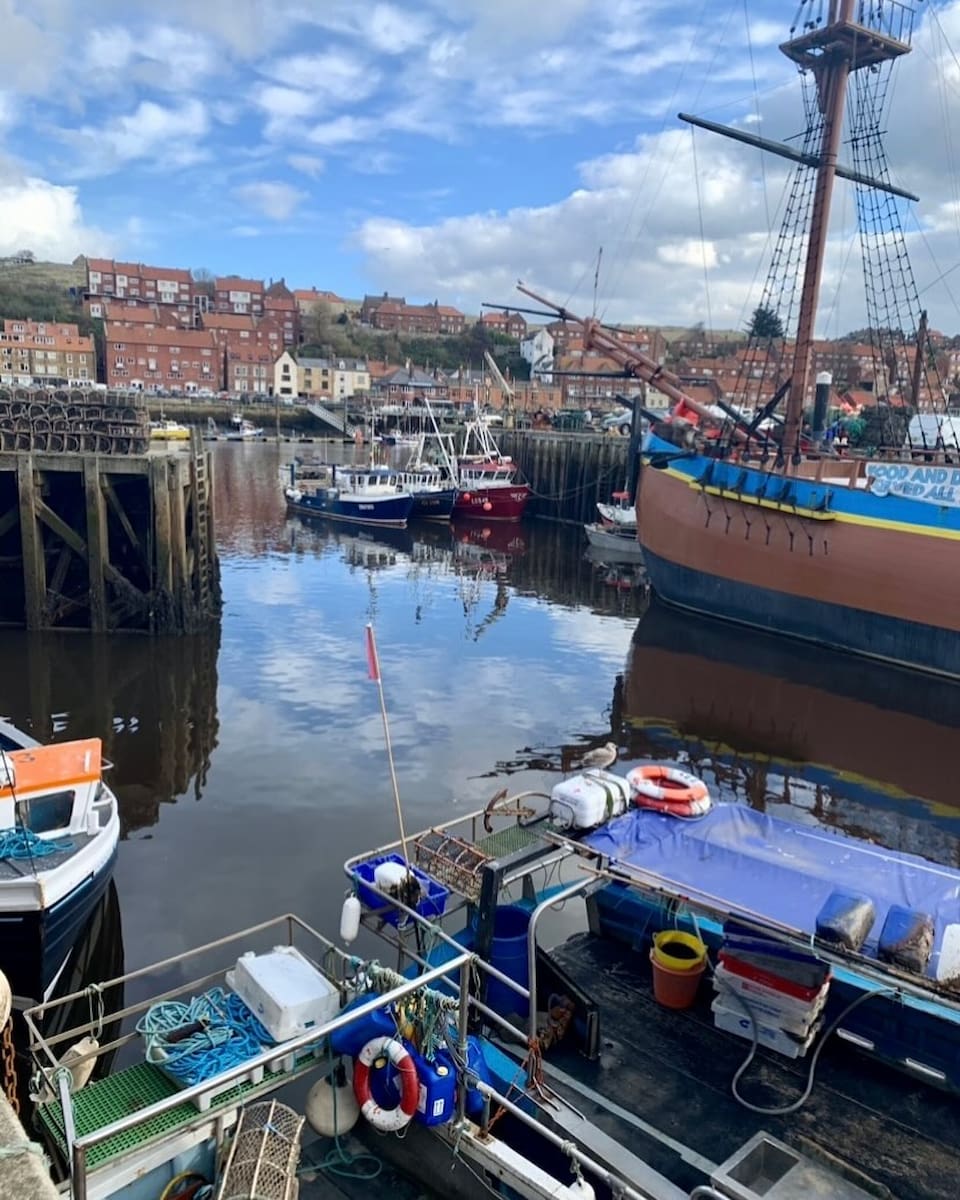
(329,418)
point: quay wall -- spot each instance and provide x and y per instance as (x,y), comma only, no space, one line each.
(569,472)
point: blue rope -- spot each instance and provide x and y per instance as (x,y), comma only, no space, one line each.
(24,843)
(230,1035)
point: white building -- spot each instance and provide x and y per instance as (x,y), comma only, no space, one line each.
(286,376)
(538,351)
(350,378)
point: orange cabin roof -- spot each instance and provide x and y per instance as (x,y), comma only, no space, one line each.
(64,764)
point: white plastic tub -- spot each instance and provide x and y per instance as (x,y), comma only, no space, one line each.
(588,800)
(285,991)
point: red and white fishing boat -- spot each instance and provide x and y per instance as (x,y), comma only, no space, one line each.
(488,486)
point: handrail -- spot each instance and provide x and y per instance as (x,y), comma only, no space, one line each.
(235,1074)
(549,902)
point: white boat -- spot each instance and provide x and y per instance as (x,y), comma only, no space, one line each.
(246,431)
(621,513)
(59,829)
(616,543)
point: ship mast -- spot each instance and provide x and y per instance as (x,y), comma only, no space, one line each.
(831,53)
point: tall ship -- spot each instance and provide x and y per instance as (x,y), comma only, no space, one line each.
(763,520)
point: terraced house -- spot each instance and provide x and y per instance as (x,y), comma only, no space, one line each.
(44,352)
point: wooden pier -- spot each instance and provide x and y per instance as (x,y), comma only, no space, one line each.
(98,532)
(569,472)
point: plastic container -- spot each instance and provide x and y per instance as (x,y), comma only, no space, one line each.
(586,801)
(677,950)
(476,1065)
(351,1039)
(508,953)
(676,989)
(438,1088)
(433,895)
(285,991)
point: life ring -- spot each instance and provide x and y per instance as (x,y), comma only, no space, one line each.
(386,1120)
(669,790)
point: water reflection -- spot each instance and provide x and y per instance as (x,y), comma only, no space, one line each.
(152,701)
(786,727)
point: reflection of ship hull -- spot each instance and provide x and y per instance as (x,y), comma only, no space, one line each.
(824,564)
(501,538)
(765,696)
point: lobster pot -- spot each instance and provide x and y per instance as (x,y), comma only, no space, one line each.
(263,1160)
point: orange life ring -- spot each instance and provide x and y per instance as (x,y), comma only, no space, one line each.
(669,790)
(387,1120)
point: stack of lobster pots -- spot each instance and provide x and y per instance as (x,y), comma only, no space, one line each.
(769,991)
(73,421)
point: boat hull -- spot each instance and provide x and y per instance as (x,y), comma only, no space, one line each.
(620,547)
(821,568)
(391,511)
(434,506)
(35,943)
(492,504)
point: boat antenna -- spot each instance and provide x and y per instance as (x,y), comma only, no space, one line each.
(373,667)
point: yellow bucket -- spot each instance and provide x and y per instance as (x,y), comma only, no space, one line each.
(678,951)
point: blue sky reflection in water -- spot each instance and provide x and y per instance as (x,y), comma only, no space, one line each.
(502,651)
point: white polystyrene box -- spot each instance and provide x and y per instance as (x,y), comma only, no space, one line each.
(586,801)
(285,991)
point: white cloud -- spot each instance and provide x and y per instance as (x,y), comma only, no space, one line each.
(166,137)
(47,219)
(331,74)
(307,164)
(341,131)
(274,199)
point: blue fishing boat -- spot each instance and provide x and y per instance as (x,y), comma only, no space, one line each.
(360,495)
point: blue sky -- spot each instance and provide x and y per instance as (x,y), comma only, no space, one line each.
(438,149)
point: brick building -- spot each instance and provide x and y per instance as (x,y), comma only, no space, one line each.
(231,294)
(308,300)
(248,369)
(510,323)
(139,284)
(43,351)
(155,359)
(427,319)
(280,305)
(163,316)
(372,303)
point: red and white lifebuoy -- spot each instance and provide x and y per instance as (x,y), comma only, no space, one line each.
(387,1120)
(669,790)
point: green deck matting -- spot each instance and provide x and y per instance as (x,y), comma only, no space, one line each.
(130,1091)
(508,841)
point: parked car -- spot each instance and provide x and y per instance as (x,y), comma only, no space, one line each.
(621,421)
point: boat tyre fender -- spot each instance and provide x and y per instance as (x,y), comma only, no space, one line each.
(386,1120)
(669,790)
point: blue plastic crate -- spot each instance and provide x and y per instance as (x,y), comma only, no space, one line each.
(432,902)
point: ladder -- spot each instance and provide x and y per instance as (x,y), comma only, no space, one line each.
(201,523)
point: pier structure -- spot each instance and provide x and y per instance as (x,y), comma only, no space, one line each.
(97,531)
(569,472)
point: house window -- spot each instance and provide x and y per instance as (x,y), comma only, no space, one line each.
(119,346)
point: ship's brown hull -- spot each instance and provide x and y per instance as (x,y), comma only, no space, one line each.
(868,587)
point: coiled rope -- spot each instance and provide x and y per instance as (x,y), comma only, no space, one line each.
(24,843)
(228,1035)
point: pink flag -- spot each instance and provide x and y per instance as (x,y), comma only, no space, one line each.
(373,663)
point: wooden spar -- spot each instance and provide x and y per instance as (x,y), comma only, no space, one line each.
(831,74)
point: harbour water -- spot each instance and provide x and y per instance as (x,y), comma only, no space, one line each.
(249,764)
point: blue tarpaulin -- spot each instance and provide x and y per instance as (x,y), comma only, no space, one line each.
(751,863)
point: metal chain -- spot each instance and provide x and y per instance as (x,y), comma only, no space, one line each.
(10,1068)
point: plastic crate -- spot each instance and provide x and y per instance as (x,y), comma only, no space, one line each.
(432,902)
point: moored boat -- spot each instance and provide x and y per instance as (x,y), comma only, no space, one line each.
(489,489)
(244,431)
(361,495)
(168,431)
(618,544)
(59,830)
(785,532)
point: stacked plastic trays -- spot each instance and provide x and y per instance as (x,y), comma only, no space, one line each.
(769,991)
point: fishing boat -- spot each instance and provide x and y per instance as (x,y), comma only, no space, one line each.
(169,431)
(431,483)
(245,431)
(622,513)
(616,543)
(361,495)
(59,830)
(780,532)
(489,489)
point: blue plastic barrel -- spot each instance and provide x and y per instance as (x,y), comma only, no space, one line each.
(508,953)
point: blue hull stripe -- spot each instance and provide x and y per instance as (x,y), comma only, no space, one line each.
(841,628)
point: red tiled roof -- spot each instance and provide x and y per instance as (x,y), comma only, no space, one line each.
(215,320)
(140,335)
(308,294)
(233,283)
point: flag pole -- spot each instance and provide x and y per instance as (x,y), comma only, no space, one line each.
(373,666)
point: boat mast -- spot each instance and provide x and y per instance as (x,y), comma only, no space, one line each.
(831,53)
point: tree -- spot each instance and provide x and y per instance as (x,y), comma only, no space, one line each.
(204,281)
(765,323)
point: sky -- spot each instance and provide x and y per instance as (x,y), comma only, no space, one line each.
(443,149)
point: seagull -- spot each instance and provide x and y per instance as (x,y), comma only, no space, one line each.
(601,758)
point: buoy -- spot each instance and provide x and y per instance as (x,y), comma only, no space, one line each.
(487,506)
(350,920)
(581,1188)
(331,1107)
(465,496)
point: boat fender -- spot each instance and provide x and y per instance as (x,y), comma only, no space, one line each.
(667,784)
(331,1108)
(386,1120)
(350,920)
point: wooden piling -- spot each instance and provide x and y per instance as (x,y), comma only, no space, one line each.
(98,551)
(569,472)
(31,541)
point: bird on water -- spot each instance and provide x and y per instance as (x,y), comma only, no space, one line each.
(601,758)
